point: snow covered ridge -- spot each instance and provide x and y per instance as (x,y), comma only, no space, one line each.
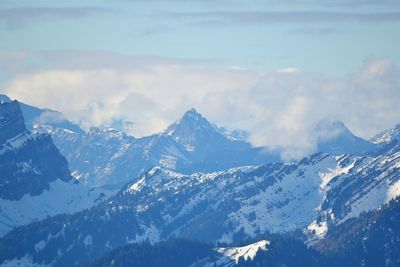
(387,136)
(231,255)
(275,197)
(311,194)
(269,194)
(191,144)
(357,185)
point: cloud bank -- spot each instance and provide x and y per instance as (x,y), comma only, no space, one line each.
(278,108)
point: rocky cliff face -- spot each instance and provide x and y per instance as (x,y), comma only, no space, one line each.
(35,181)
(28,163)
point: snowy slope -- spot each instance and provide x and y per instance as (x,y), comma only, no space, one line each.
(317,193)
(314,192)
(34,178)
(102,157)
(215,206)
(245,200)
(229,256)
(373,239)
(387,136)
(356,185)
(61,197)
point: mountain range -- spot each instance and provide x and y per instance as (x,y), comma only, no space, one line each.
(191,144)
(371,240)
(192,195)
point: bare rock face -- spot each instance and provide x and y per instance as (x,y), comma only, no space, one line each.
(28,163)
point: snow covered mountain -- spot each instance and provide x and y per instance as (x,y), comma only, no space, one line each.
(336,139)
(189,145)
(387,136)
(358,184)
(159,193)
(102,157)
(370,240)
(206,149)
(108,158)
(34,177)
(314,195)
(26,160)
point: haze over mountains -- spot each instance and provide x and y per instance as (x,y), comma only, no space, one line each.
(190,181)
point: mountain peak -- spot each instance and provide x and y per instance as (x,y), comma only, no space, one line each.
(334,137)
(190,122)
(193,114)
(329,129)
(4,98)
(192,129)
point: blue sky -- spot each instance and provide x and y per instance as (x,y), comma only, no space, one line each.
(334,37)
(274,68)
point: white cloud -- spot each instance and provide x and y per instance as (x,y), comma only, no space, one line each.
(233,67)
(289,70)
(278,109)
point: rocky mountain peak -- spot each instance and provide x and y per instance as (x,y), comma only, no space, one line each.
(192,128)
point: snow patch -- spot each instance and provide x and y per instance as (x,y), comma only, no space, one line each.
(393,191)
(88,241)
(150,234)
(320,229)
(333,172)
(40,245)
(137,186)
(234,253)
